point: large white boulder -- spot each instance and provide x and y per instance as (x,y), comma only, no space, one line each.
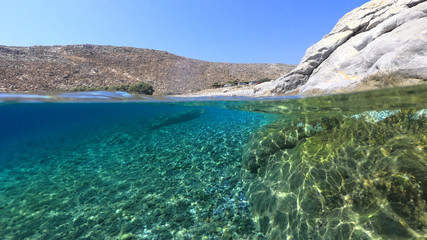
(380,37)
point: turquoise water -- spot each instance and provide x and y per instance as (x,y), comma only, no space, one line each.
(336,167)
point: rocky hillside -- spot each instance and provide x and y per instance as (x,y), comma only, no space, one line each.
(380,44)
(60,68)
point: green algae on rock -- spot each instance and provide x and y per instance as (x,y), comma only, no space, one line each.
(340,177)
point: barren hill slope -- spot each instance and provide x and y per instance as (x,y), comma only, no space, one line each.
(52,68)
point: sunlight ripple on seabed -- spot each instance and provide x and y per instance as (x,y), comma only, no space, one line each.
(340,177)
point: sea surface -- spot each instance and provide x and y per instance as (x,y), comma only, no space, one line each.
(104,165)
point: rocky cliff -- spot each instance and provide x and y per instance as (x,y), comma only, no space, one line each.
(382,43)
(61,68)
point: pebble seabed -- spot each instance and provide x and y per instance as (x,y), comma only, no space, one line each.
(126,181)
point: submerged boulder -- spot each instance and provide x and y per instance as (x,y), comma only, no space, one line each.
(382,43)
(170,119)
(340,177)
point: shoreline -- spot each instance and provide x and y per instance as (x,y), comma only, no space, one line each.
(233,91)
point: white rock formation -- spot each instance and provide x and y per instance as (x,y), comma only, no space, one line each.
(382,36)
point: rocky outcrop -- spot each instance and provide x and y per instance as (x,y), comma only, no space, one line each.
(382,43)
(60,68)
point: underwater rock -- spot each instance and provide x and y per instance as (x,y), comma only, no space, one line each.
(340,178)
(170,119)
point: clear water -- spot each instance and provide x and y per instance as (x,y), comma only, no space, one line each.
(335,167)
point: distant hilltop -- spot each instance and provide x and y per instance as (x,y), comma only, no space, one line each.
(41,69)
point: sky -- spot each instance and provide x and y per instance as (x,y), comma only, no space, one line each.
(238,31)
